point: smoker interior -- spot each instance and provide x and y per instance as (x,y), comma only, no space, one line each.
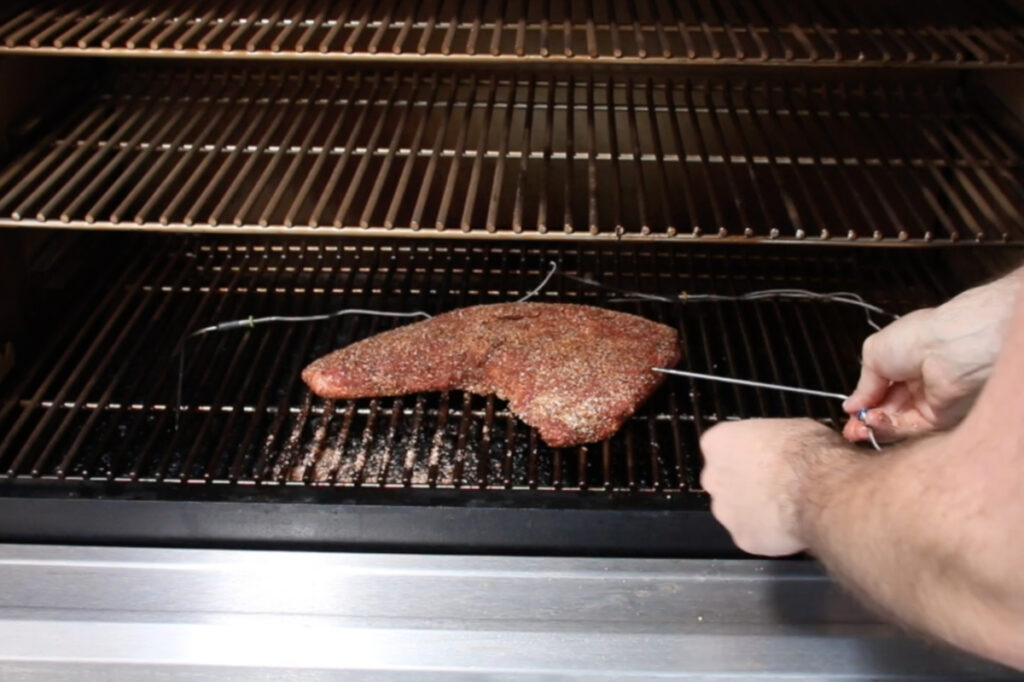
(958,33)
(93,412)
(167,166)
(492,155)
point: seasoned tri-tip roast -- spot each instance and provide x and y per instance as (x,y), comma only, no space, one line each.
(574,372)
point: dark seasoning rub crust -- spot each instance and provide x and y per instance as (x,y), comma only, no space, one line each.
(574,372)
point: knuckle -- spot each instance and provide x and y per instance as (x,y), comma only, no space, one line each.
(870,347)
(745,542)
(709,479)
(722,515)
(716,511)
(709,440)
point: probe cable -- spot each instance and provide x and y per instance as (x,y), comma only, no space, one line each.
(862,413)
(844,297)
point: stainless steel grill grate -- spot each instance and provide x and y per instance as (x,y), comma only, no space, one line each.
(98,403)
(488,155)
(956,33)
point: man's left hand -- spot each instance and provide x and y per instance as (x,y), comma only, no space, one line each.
(754,471)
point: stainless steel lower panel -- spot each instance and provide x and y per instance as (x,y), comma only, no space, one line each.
(92,613)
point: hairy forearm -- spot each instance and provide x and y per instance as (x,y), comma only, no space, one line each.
(929,531)
(897,530)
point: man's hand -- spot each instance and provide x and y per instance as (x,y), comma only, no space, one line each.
(754,471)
(923,372)
(928,531)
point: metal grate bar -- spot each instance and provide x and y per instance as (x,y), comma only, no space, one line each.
(956,34)
(316,151)
(101,404)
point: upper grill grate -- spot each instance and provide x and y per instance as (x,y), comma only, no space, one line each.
(525,155)
(957,34)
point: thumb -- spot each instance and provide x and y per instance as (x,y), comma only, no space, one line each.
(870,390)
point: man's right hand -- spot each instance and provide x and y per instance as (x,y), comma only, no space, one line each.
(923,372)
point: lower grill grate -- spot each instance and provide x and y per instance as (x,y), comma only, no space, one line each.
(98,405)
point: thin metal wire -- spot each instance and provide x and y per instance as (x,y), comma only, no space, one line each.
(861,415)
(251,322)
(844,297)
(751,384)
(553,268)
